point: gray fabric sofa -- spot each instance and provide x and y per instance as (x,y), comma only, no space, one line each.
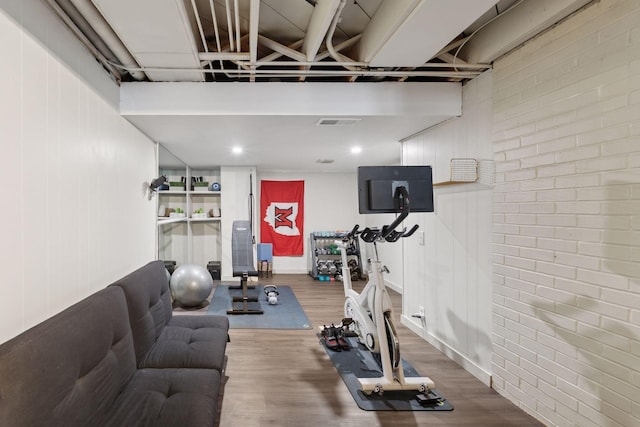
(162,340)
(85,366)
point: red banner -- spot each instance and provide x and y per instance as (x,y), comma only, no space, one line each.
(282,216)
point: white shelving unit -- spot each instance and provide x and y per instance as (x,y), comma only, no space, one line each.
(194,238)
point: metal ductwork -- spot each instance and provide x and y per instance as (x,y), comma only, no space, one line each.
(107,36)
(408,33)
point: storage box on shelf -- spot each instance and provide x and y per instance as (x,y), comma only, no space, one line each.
(200,186)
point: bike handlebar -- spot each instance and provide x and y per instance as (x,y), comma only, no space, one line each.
(388,232)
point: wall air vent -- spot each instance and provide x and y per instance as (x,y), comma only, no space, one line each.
(325,161)
(337,122)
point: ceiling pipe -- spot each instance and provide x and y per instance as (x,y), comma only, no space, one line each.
(103,29)
(81,29)
(224,56)
(216,30)
(236,13)
(254,19)
(233,57)
(360,64)
(320,73)
(203,39)
(229,25)
(329,41)
(320,21)
(340,46)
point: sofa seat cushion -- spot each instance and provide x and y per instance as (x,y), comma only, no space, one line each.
(189,342)
(168,397)
(162,340)
(200,321)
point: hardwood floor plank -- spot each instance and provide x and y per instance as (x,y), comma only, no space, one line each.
(285,378)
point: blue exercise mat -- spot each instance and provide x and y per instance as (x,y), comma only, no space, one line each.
(359,362)
(286,314)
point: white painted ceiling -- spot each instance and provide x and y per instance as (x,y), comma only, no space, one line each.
(297,42)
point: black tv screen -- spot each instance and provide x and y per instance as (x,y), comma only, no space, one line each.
(377,188)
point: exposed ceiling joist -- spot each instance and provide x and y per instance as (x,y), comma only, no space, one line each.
(254,18)
(282,49)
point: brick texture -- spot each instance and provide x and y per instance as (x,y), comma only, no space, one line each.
(566,306)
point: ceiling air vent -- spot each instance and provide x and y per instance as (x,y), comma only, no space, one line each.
(337,122)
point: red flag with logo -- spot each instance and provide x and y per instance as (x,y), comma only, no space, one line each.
(282,216)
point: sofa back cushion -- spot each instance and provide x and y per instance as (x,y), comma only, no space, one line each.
(69,369)
(149,302)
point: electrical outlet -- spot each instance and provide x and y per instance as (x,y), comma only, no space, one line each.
(421,311)
(421,238)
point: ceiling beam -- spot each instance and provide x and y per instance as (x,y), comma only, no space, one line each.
(254,19)
(282,49)
(272,98)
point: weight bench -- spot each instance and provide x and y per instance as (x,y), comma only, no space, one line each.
(243,267)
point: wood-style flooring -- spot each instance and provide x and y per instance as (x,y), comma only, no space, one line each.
(285,378)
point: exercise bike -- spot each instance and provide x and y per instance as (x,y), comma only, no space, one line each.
(371,311)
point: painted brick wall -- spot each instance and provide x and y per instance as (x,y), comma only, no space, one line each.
(566,227)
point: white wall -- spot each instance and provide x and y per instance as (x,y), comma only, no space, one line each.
(74,214)
(330,203)
(450,275)
(567,220)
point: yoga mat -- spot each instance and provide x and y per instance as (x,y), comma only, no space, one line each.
(359,362)
(286,314)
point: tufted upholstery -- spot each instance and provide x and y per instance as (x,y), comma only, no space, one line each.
(162,340)
(78,368)
(168,397)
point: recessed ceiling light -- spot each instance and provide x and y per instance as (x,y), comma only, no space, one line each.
(236,150)
(356,150)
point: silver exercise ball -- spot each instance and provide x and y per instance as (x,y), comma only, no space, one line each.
(191,284)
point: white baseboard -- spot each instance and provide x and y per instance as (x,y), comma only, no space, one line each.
(466,363)
(393,286)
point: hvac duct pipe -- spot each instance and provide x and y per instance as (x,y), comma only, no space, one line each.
(81,28)
(102,28)
(329,40)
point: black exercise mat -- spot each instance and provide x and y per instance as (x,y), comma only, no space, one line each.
(286,314)
(358,362)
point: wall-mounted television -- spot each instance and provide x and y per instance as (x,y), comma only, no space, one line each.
(378,185)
